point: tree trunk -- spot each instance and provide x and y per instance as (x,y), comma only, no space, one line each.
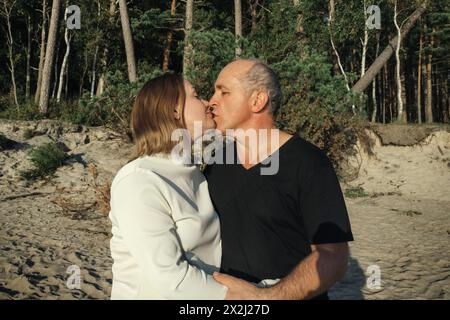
(403,96)
(445,99)
(336,53)
(364,43)
(253,5)
(429,106)
(337,66)
(300,34)
(66,85)
(381,60)
(385,91)
(364,47)
(6,13)
(42,51)
(166,54)
(353,63)
(93,77)
(374,86)
(238,27)
(83,74)
(49,52)
(331,9)
(102,79)
(64,63)
(400,112)
(391,95)
(409,85)
(419,79)
(128,39)
(55,76)
(187,55)
(28,76)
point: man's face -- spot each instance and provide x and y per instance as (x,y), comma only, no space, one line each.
(230,102)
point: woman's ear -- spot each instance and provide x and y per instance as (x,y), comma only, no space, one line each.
(177,112)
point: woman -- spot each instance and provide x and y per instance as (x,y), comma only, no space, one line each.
(166,235)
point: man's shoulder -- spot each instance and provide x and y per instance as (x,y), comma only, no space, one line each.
(304,152)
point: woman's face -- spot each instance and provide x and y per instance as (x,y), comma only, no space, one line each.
(197,111)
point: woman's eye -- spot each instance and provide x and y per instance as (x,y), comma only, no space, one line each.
(223,93)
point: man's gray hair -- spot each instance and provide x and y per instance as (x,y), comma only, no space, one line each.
(261,76)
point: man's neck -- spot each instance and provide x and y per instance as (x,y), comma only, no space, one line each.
(256,143)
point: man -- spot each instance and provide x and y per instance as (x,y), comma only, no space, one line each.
(291,225)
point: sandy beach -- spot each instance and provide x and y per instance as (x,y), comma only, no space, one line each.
(53,228)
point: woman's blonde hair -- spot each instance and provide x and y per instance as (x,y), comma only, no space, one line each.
(153,115)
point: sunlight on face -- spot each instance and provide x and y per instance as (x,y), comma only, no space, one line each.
(196,109)
(230,101)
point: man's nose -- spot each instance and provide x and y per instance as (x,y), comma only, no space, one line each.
(213,101)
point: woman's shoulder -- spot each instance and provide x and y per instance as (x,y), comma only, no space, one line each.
(156,168)
(137,186)
(136,170)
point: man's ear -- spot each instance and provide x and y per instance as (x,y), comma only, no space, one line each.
(259,100)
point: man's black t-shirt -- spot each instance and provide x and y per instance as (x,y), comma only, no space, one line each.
(268,222)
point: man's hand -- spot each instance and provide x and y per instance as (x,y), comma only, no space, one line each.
(314,275)
(239,289)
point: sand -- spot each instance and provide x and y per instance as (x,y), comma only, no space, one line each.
(401,225)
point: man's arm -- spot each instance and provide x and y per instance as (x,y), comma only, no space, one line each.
(314,275)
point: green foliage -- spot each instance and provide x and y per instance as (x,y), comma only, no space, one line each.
(113,107)
(294,40)
(27,111)
(28,134)
(5,102)
(315,24)
(276,35)
(213,49)
(355,192)
(45,159)
(316,104)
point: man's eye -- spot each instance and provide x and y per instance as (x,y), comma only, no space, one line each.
(223,93)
